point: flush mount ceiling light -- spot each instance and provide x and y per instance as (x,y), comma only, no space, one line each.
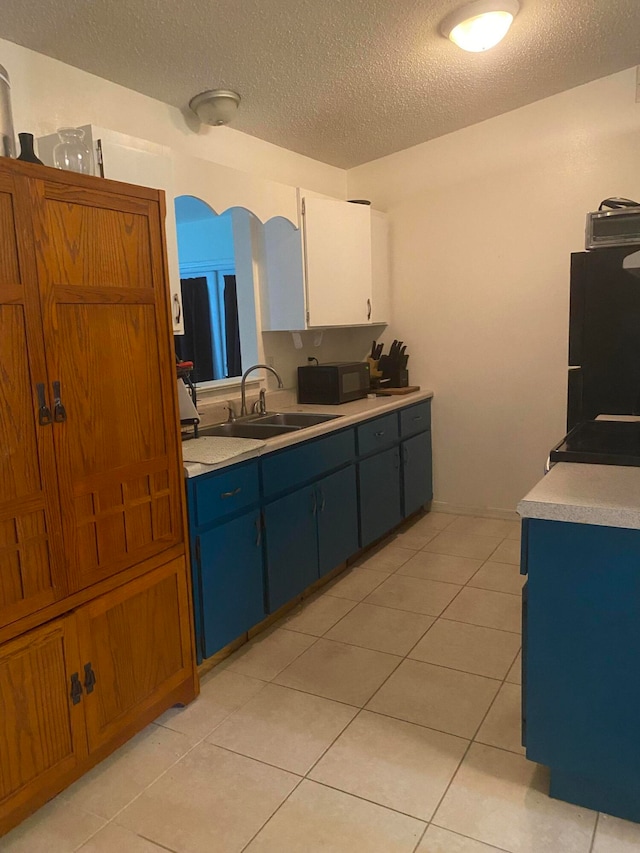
(480,25)
(216,106)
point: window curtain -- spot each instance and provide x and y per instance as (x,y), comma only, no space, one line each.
(195,344)
(232,326)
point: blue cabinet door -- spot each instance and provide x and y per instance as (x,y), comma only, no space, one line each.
(337,518)
(292,545)
(231,581)
(416,470)
(379,492)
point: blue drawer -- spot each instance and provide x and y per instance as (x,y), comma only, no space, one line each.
(305,462)
(415,419)
(225,492)
(377,434)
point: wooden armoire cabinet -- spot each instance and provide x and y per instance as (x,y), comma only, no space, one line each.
(95,622)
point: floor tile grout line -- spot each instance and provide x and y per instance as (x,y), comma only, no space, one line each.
(157,843)
(471,838)
(273,814)
(366,800)
(471,742)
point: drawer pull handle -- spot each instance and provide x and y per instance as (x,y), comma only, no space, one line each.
(417,417)
(44,412)
(405,455)
(89,678)
(76,689)
(231,494)
(259,531)
(59,411)
(378,434)
(322,500)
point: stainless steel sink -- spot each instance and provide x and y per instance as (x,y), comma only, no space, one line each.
(299,420)
(267,425)
(247,429)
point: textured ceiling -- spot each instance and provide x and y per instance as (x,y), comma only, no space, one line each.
(342,81)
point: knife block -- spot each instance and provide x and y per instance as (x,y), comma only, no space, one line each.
(390,368)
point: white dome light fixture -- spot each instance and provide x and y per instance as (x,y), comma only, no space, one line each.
(216,106)
(480,25)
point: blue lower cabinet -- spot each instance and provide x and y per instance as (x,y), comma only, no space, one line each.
(416,472)
(231,581)
(337,519)
(380,497)
(292,545)
(581,674)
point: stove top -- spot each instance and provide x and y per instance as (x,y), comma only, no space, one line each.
(601,442)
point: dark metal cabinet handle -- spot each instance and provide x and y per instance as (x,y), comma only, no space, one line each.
(231,494)
(379,434)
(405,455)
(89,678)
(368,309)
(177,309)
(322,500)
(314,502)
(76,689)
(396,463)
(258,524)
(59,411)
(417,417)
(44,412)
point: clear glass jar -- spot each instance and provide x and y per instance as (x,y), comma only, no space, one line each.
(72,153)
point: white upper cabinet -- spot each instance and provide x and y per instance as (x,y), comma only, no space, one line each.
(333,271)
(380,268)
(337,250)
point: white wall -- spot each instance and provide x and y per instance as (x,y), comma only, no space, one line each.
(47,94)
(483,222)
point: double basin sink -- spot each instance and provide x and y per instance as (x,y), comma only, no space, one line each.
(267,425)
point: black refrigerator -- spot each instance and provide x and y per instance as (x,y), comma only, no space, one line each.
(604,335)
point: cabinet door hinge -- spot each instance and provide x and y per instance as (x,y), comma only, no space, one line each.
(100,157)
(76,688)
(198,550)
(308,317)
(89,678)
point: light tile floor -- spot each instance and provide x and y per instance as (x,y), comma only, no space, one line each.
(382,715)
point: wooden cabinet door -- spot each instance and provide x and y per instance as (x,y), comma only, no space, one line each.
(101,275)
(31,562)
(231,581)
(42,735)
(136,641)
(337,518)
(292,545)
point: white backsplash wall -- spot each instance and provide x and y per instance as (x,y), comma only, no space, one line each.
(483,224)
(352,344)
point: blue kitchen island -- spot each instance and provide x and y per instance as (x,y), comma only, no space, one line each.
(581,634)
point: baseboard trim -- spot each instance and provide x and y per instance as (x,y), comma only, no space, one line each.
(481,511)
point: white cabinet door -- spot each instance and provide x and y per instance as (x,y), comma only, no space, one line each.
(380,268)
(136,161)
(337,245)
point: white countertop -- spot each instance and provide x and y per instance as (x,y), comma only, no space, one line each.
(349,414)
(605,495)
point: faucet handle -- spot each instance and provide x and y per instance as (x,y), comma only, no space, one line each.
(232,413)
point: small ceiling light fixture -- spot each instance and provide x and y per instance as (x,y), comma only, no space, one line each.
(216,106)
(480,25)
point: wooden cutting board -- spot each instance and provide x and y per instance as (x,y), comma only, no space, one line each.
(389,392)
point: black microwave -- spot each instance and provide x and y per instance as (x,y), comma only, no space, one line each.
(333,383)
